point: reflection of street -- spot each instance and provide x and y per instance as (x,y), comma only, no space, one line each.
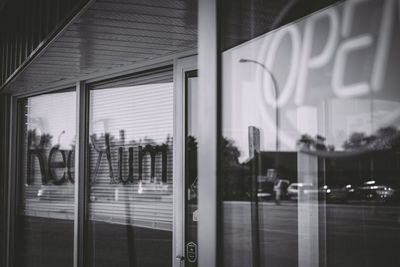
(356,235)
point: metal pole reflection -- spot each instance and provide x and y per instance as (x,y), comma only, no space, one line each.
(275,85)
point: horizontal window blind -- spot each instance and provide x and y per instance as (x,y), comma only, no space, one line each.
(44,234)
(158,75)
(131,144)
(48,156)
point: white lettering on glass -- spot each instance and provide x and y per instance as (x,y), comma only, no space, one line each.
(323,58)
(287,90)
(339,68)
(383,46)
(340,25)
(348,15)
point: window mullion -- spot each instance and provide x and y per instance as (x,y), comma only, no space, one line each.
(81,171)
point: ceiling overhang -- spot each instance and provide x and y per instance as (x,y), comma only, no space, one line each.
(109,35)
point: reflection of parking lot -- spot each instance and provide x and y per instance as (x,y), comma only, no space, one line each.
(356,235)
(369,191)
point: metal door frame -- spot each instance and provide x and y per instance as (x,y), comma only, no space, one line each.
(181,66)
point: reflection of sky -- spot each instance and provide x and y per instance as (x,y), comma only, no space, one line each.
(247,101)
(143,111)
(52,114)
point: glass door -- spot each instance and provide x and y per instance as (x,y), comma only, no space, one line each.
(185,164)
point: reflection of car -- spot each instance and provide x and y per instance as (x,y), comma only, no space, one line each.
(370,191)
(294,189)
(328,193)
(266,187)
(283,185)
(264,195)
(340,194)
(315,193)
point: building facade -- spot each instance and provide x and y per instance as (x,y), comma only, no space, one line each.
(200,133)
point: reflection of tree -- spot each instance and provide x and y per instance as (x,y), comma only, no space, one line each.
(191,164)
(357,140)
(386,138)
(38,141)
(148,141)
(235,176)
(307,142)
(191,159)
(230,153)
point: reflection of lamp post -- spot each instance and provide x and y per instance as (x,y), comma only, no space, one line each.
(59,137)
(275,84)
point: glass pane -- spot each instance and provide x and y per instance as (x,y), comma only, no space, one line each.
(131,148)
(311,134)
(45,212)
(191,186)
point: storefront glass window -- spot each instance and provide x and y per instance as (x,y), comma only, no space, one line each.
(310,149)
(131,190)
(45,211)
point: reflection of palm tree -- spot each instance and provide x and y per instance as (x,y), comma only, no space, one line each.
(45,140)
(36,141)
(320,142)
(307,142)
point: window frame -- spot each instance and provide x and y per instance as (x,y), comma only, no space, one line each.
(16,135)
(82,89)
